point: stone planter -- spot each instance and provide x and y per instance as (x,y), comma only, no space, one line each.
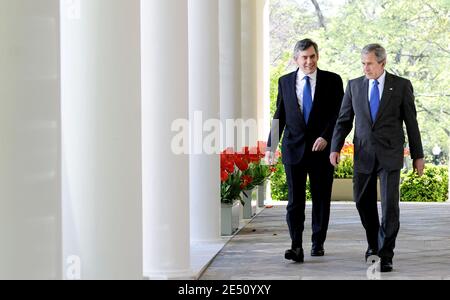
(230,218)
(249,209)
(343,190)
(262,194)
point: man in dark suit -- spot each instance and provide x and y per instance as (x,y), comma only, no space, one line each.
(308,105)
(381,103)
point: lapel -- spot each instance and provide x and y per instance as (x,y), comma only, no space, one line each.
(317,94)
(366,106)
(387,94)
(293,91)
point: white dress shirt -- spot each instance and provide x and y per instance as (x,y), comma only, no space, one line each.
(381,82)
(300,86)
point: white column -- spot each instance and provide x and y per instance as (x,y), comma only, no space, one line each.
(230,65)
(263,69)
(165,92)
(101,105)
(204,100)
(30,152)
(250,68)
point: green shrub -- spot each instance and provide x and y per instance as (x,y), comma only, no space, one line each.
(431,187)
(345,169)
(278,184)
(280,188)
(308,191)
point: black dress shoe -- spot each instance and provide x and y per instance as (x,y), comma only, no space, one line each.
(370,253)
(296,255)
(386,265)
(317,250)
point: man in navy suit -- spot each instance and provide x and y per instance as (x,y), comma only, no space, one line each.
(308,105)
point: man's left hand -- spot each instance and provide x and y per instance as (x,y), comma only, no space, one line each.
(320,145)
(419,166)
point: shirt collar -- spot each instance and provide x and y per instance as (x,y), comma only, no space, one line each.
(381,80)
(302,75)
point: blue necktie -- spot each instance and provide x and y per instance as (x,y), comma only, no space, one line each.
(374,100)
(307,100)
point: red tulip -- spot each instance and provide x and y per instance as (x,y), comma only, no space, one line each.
(228,151)
(223,176)
(228,166)
(262,146)
(254,151)
(246,180)
(242,164)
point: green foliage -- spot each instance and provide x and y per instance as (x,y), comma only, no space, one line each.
(289,20)
(278,184)
(230,190)
(275,74)
(308,190)
(431,187)
(345,169)
(416,36)
(260,173)
(280,188)
(414,32)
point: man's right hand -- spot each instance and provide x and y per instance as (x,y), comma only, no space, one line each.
(270,158)
(335,158)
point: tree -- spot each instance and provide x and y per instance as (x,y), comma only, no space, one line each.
(290,20)
(416,35)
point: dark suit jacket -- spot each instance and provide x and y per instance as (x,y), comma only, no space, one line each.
(383,139)
(299,138)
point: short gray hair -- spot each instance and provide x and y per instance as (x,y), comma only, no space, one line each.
(379,51)
(305,45)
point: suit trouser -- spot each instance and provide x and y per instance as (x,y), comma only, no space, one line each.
(321,180)
(382,236)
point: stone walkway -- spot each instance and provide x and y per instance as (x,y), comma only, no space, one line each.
(257,252)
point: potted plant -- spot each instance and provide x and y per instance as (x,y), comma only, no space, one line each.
(247,159)
(233,182)
(343,182)
(343,176)
(261,173)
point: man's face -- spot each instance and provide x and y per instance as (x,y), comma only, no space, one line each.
(372,68)
(307,61)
